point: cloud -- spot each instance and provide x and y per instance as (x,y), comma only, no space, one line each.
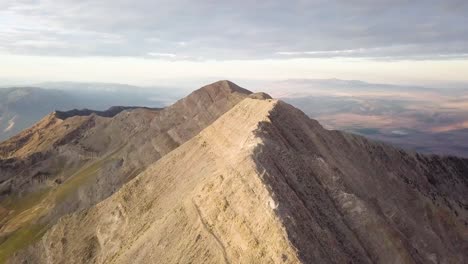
(164,55)
(168,56)
(327,53)
(223,30)
(173,57)
(391,52)
(33,43)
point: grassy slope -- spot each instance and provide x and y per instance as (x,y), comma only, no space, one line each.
(24,212)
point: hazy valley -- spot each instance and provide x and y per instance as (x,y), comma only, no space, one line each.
(428,120)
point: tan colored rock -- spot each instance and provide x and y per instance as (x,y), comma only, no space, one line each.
(263,184)
(266,184)
(72,160)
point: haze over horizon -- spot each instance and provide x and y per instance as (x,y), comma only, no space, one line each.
(149,42)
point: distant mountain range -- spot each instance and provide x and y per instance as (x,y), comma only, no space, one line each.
(20,107)
(429,120)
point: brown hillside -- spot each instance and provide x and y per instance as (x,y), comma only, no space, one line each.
(266,184)
(59,166)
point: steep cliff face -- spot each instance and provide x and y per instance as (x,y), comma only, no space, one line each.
(344,198)
(266,184)
(71,161)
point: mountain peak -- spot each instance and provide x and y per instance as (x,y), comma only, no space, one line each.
(226,86)
(220,92)
(225,175)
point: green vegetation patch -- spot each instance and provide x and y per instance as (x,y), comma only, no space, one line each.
(20,239)
(29,231)
(78,179)
(19,204)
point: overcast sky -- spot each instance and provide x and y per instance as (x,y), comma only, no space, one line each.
(141,42)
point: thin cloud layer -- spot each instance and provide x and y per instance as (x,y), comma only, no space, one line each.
(214,30)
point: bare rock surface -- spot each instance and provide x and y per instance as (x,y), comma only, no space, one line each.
(71,161)
(344,198)
(266,184)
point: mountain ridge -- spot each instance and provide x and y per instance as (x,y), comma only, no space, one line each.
(87,158)
(110,112)
(264,165)
(240,177)
(21,107)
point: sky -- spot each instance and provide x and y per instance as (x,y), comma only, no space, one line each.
(146,42)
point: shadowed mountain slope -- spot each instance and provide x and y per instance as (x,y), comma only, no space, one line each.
(344,198)
(266,184)
(67,162)
(111,112)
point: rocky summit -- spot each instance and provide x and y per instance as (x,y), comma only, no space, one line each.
(223,176)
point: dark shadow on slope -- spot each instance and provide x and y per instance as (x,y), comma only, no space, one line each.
(111,112)
(345,199)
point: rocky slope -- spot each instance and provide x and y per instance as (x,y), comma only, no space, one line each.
(266,184)
(22,107)
(70,161)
